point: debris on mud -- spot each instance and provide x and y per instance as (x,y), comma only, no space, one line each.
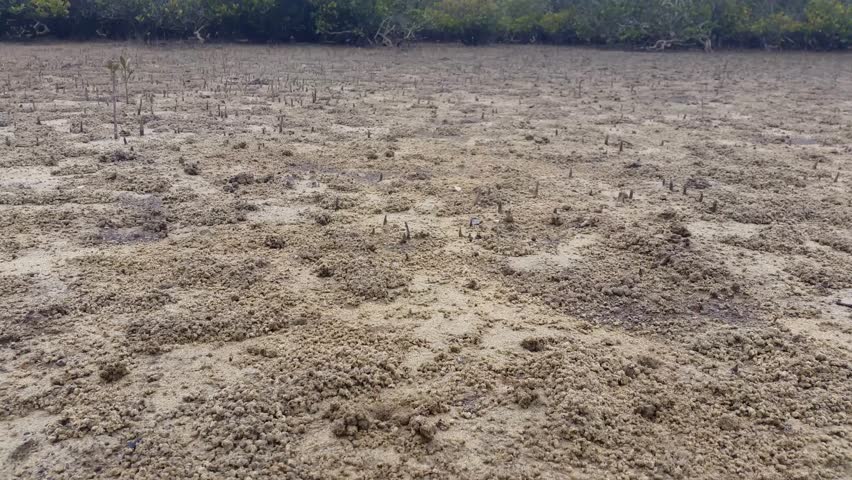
(118,156)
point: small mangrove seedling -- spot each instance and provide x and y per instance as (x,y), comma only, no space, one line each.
(127,72)
(113,67)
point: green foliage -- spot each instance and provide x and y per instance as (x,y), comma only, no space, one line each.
(675,23)
(39,9)
(353,18)
(777,29)
(829,22)
(732,20)
(27,18)
(34,9)
(521,20)
(559,27)
(471,21)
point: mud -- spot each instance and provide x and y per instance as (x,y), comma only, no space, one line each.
(438,262)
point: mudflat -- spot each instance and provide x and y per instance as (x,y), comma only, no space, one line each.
(433,262)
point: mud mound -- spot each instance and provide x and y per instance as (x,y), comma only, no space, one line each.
(367,278)
(636,273)
(628,402)
(774,239)
(251,313)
